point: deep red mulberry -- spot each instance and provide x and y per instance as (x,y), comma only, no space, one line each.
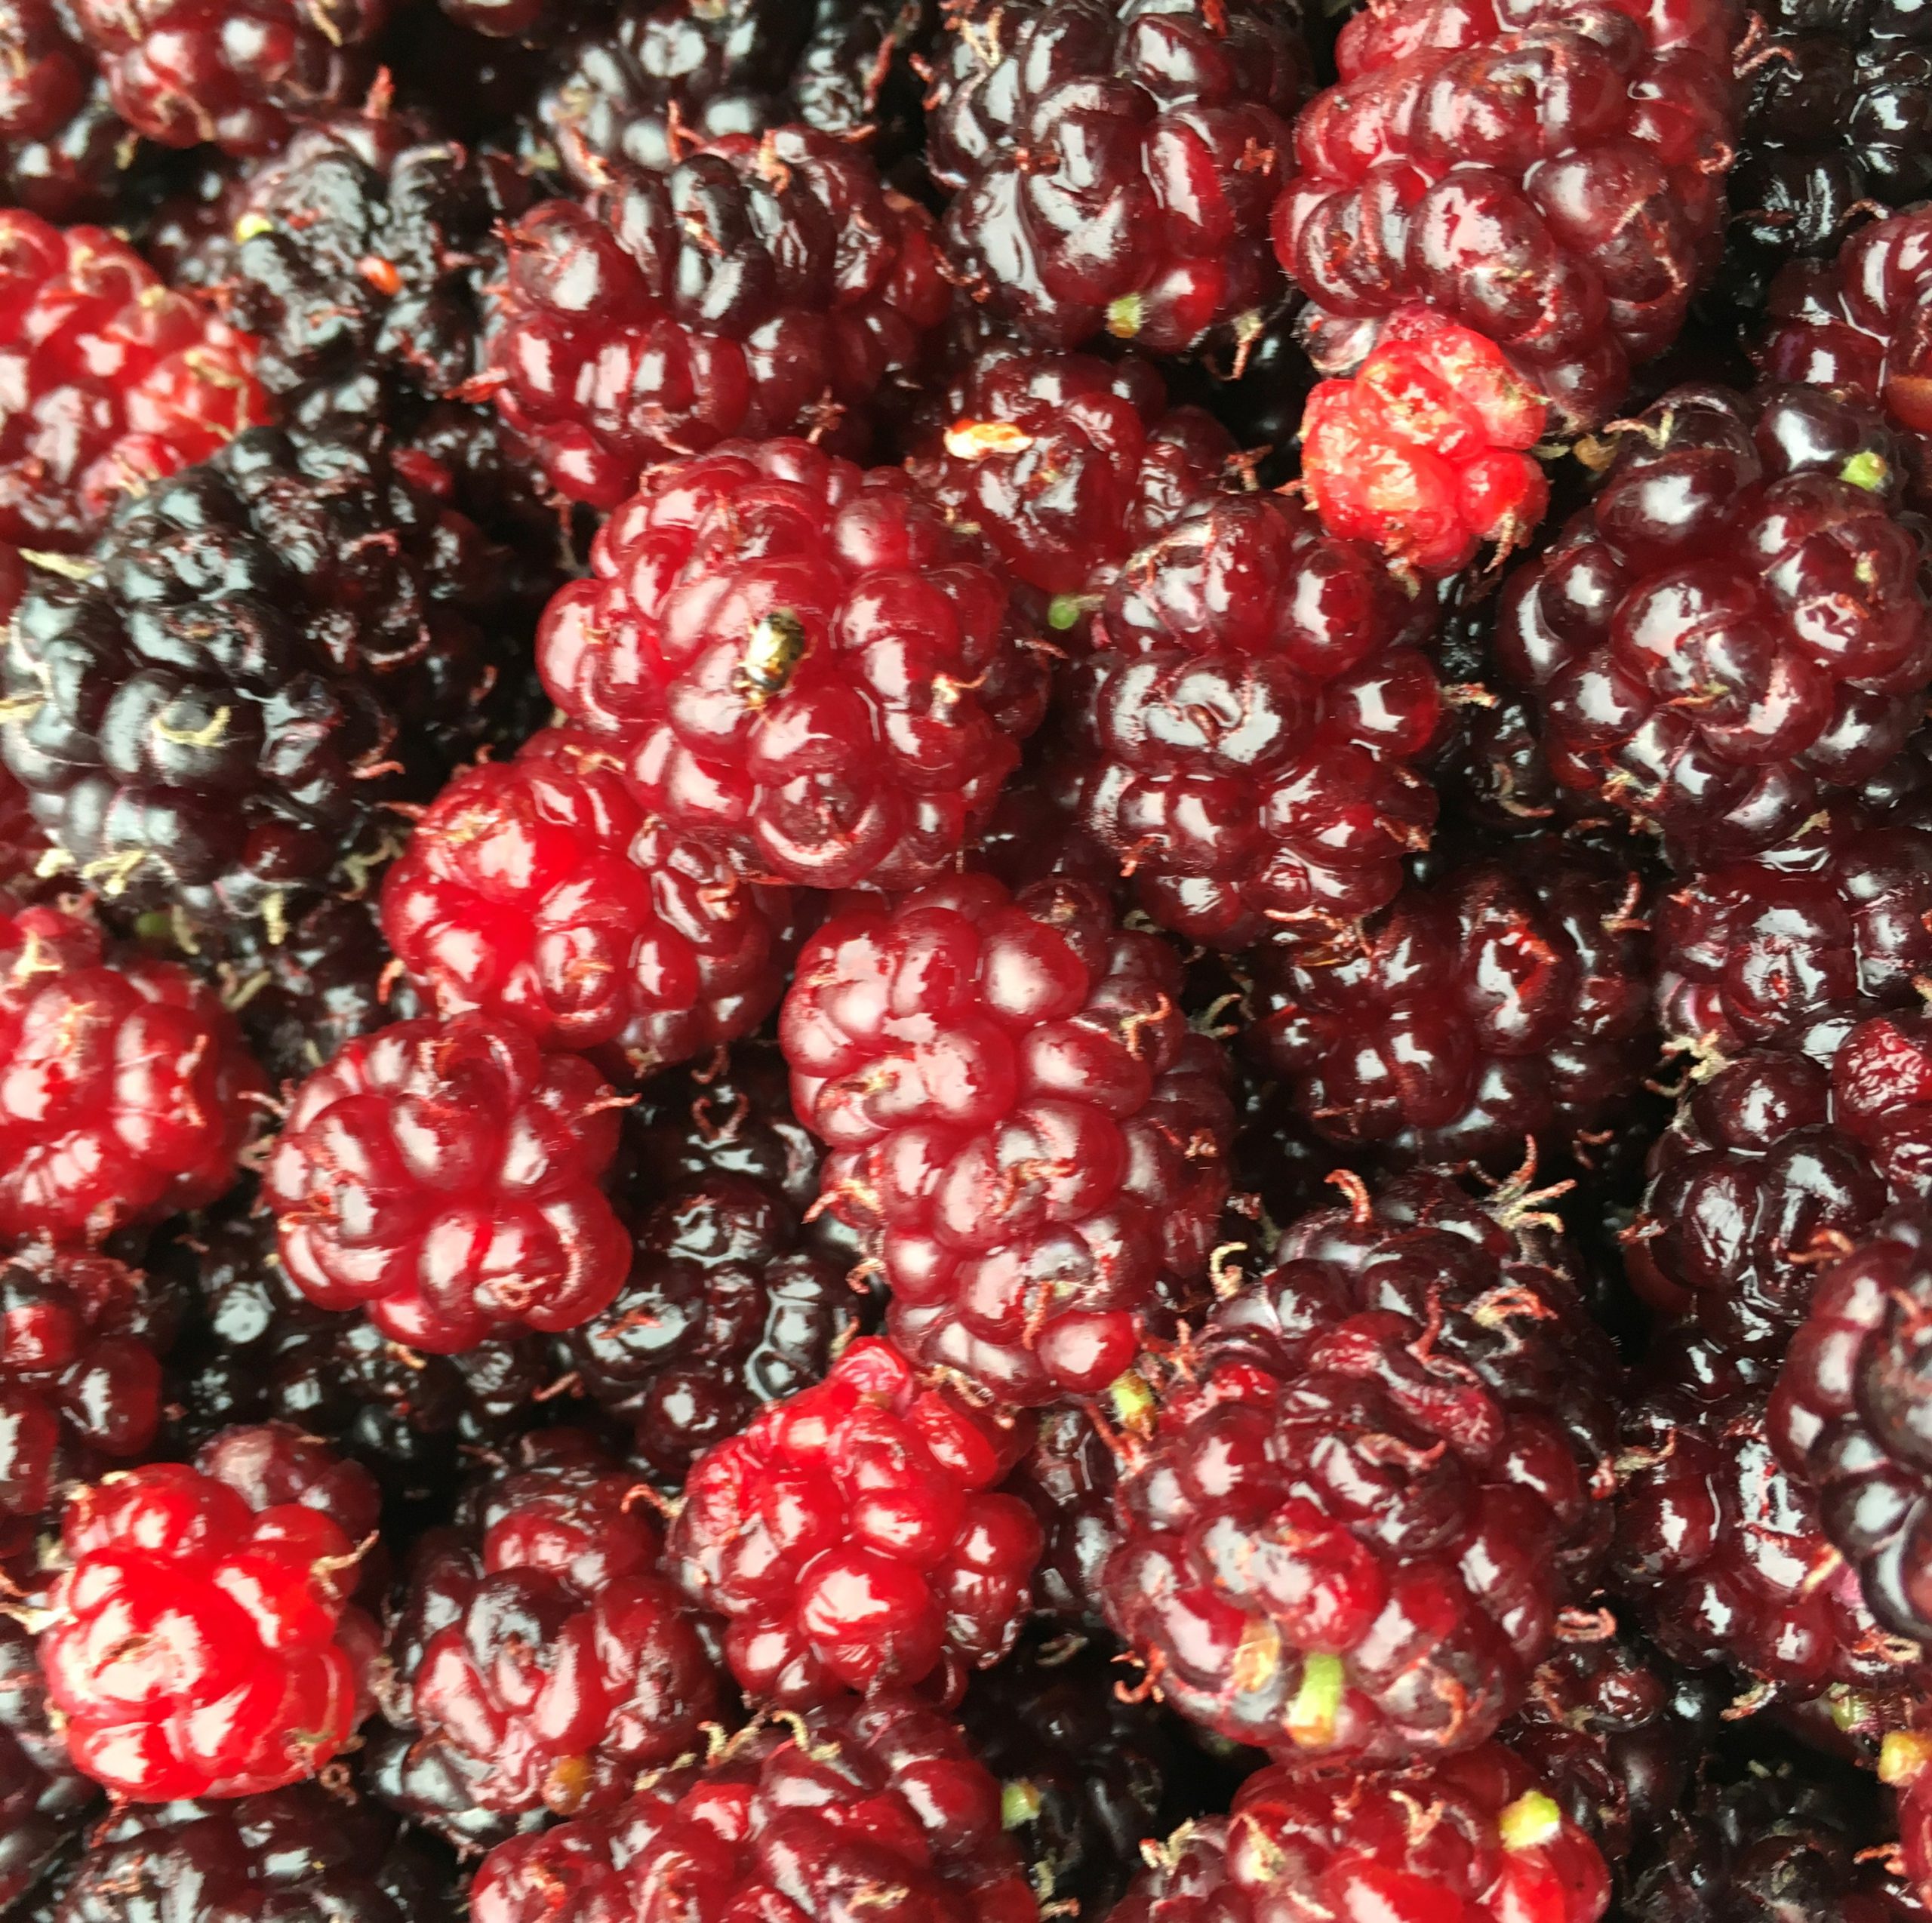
(1023,1127)
(851,1536)
(1379,1475)
(444,1175)
(797,662)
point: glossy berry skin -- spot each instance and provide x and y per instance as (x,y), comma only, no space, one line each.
(181,71)
(1424,451)
(1850,1406)
(1113,163)
(111,382)
(1509,999)
(1718,1545)
(43,1798)
(1734,628)
(1551,176)
(727,1306)
(541,1649)
(262,650)
(445,1175)
(1752,950)
(80,1376)
(1023,1130)
(1613,1730)
(882,1797)
(1065,463)
(1377,1477)
(1858,324)
(1243,730)
(203,1646)
(127,1094)
(799,663)
(286,1852)
(536,890)
(762,285)
(1495,1848)
(1774,1161)
(851,1536)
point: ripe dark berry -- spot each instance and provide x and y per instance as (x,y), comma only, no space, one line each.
(1734,628)
(201,1646)
(880,1800)
(185,71)
(1067,1478)
(256,654)
(126,1094)
(110,383)
(1472,1837)
(301,1850)
(81,1339)
(727,1306)
(797,662)
(1023,1129)
(1066,464)
(1424,451)
(760,286)
(1718,1544)
(1114,162)
(537,890)
(62,145)
(851,1536)
(444,1174)
(1511,999)
(1553,181)
(1243,730)
(43,1798)
(1376,1478)
(541,1648)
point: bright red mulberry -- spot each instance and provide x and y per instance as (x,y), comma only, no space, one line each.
(1024,1131)
(203,1646)
(537,890)
(851,1536)
(444,1174)
(799,662)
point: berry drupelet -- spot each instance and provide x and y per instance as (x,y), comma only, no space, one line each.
(799,664)
(446,1175)
(43,1798)
(1718,1545)
(537,890)
(81,1340)
(201,1643)
(1376,1479)
(1509,999)
(301,1851)
(1837,914)
(852,1536)
(1025,1132)
(879,1803)
(181,71)
(256,653)
(1735,627)
(1114,162)
(1850,1407)
(126,1093)
(1553,179)
(1773,1161)
(1424,450)
(1474,1838)
(110,383)
(1838,127)
(1242,732)
(539,1648)
(1065,464)
(761,286)
(729,1305)
(1860,324)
